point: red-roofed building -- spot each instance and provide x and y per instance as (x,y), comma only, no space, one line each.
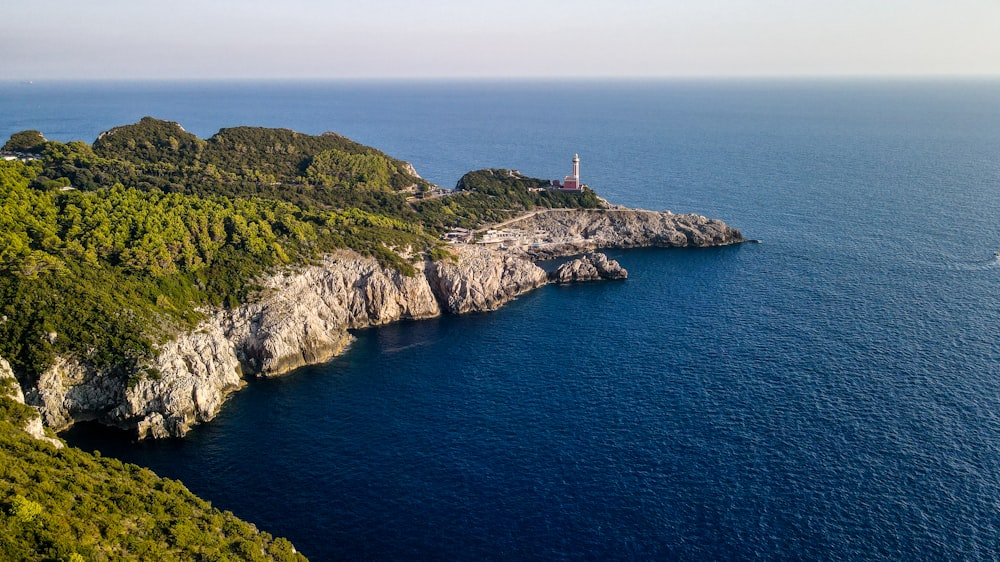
(572,183)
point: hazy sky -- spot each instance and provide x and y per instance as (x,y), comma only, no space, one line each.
(523,38)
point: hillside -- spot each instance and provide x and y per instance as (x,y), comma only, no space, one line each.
(60,503)
(55,504)
(253,160)
(108,249)
(144,277)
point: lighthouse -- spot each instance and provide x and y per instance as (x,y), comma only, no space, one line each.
(573,182)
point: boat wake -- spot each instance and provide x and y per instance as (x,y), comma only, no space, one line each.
(408,346)
(991,263)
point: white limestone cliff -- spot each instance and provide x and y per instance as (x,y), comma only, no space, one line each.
(480,279)
(33,426)
(304,316)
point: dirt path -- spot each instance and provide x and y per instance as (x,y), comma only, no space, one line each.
(525,216)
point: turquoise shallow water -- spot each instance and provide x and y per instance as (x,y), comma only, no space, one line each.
(830,393)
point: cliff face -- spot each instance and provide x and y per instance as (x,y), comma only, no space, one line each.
(481,279)
(33,426)
(569,232)
(68,391)
(198,371)
(303,316)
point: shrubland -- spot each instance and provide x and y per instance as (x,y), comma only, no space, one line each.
(69,505)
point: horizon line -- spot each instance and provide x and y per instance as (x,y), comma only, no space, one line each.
(526,78)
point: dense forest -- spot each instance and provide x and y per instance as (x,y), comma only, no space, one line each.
(103,274)
(68,505)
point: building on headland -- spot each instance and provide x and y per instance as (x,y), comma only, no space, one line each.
(23,157)
(458,234)
(571,182)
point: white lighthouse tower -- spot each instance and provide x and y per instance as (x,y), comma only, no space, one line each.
(573,182)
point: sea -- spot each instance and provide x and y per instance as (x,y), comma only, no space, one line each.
(831,393)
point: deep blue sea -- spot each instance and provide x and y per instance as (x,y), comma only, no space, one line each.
(832,393)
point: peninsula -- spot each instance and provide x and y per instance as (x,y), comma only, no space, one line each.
(149,275)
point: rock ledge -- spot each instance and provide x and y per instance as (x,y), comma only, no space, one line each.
(590,267)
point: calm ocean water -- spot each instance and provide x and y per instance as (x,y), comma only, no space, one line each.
(832,393)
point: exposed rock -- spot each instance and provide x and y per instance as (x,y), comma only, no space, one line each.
(197,371)
(303,316)
(409,169)
(591,267)
(34,426)
(575,231)
(7,373)
(69,391)
(36,429)
(481,279)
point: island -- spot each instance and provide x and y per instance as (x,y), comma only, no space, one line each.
(151,274)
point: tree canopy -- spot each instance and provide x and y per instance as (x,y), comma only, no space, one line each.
(66,504)
(114,246)
(25,141)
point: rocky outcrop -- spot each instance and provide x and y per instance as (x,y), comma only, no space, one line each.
(480,279)
(591,267)
(304,316)
(6,373)
(194,375)
(565,232)
(33,426)
(69,391)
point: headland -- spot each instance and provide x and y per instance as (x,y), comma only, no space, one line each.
(258,251)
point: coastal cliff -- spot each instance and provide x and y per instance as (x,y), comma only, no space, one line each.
(480,279)
(33,424)
(304,316)
(564,232)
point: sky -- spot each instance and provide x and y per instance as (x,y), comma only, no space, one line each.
(334,39)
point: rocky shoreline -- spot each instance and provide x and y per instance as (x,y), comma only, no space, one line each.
(304,316)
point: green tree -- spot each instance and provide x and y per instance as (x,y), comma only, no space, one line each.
(25,141)
(24,510)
